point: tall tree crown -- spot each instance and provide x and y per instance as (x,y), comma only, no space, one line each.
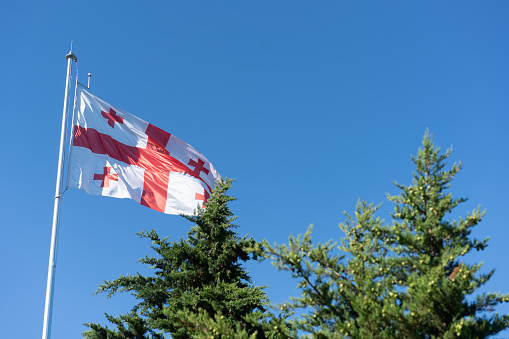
(407,279)
(198,285)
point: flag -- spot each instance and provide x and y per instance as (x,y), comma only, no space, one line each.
(116,154)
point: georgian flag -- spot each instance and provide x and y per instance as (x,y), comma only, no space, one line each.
(116,154)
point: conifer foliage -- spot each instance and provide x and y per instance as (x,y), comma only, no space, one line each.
(199,288)
(407,279)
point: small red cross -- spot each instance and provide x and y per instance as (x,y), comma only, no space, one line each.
(112,118)
(106,177)
(198,166)
(204,197)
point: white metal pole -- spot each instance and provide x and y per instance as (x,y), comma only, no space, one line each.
(48,307)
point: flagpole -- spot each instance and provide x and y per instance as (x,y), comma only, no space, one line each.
(48,307)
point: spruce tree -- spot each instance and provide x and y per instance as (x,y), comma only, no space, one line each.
(199,287)
(407,279)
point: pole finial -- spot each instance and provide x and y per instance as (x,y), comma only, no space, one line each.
(71,54)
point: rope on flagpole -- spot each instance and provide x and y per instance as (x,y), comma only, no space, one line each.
(71,136)
(58,196)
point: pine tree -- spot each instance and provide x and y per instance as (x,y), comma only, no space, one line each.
(408,279)
(199,289)
(431,251)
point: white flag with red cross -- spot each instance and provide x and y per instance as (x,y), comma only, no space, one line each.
(116,154)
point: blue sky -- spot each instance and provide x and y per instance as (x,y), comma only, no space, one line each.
(309,105)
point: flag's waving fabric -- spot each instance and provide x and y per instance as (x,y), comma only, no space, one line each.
(116,154)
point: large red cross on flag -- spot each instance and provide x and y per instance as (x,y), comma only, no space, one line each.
(116,154)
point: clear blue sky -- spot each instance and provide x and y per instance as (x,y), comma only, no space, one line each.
(309,105)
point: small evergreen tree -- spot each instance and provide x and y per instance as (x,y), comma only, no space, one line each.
(200,288)
(403,280)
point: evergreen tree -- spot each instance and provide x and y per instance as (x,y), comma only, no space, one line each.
(403,280)
(200,288)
